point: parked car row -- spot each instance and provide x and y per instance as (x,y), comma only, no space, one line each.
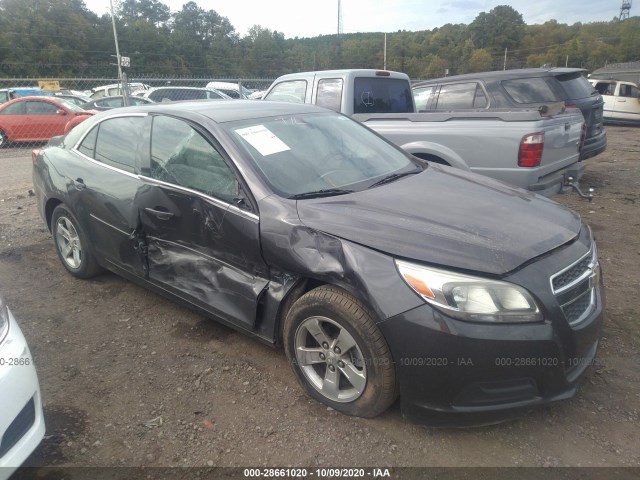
(512,126)
(37,119)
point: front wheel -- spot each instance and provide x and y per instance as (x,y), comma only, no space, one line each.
(338,353)
(72,245)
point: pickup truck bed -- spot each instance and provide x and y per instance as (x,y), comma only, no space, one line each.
(481,141)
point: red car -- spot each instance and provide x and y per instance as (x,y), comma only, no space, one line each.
(37,119)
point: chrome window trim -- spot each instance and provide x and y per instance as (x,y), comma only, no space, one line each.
(214,200)
(96,162)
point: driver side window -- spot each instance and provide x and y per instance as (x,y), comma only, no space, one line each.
(182,156)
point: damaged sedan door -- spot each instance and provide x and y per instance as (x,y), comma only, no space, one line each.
(199,245)
(103,181)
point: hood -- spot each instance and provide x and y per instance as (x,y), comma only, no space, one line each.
(445,216)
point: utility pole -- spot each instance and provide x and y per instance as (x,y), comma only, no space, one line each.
(118,58)
(504,66)
(384,62)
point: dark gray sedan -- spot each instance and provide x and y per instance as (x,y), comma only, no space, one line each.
(380,274)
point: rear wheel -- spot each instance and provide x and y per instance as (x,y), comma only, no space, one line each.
(338,353)
(72,245)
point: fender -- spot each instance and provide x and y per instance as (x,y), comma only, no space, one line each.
(437,150)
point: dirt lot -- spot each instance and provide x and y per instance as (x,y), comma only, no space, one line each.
(130,379)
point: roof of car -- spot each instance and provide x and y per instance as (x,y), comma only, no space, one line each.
(222,111)
(505,74)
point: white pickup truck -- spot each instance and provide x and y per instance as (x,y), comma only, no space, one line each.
(536,147)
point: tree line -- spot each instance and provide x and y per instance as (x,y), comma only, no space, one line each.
(62,38)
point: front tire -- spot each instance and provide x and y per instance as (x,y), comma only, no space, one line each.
(338,353)
(72,244)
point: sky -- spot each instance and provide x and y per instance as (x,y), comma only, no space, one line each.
(304,18)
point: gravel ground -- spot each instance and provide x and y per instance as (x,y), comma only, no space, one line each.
(131,379)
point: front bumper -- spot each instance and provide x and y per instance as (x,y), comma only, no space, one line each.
(456,373)
(21,418)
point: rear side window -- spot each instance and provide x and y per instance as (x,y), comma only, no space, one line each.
(530,90)
(294,91)
(41,108)
(111,102)
(14,109)
(628,91)
(605,88)
(575,86)
(117,142)
(231,93)
(88,145)
(329,93)
(382,95)
(214,95)
(459,96)
(422,96)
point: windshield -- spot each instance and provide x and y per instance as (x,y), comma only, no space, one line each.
(321,152)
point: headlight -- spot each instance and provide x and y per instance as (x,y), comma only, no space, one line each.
(4,320)
(470,298)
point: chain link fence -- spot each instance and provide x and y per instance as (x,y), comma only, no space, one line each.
(27,122)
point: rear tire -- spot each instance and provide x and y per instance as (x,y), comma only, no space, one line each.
(338,353)
(73,246)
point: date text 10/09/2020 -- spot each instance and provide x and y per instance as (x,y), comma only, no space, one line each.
(316,472)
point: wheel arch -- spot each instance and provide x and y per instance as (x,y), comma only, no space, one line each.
(304,285)
(436,153)
(49,207)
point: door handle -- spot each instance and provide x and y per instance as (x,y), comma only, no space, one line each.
(79,184)
(159,214)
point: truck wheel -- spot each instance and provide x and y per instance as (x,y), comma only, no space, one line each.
(338,353)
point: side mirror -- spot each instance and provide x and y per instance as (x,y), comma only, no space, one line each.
(60,112)
(239,199)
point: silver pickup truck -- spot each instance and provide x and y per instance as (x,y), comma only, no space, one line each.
(536,148)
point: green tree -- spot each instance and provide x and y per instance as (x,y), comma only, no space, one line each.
(503,27)
(480,61)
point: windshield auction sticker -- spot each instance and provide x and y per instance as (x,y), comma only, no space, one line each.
(263,140)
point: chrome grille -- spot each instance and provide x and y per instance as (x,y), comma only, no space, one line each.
(574,287)
(568,276)
(574,310)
